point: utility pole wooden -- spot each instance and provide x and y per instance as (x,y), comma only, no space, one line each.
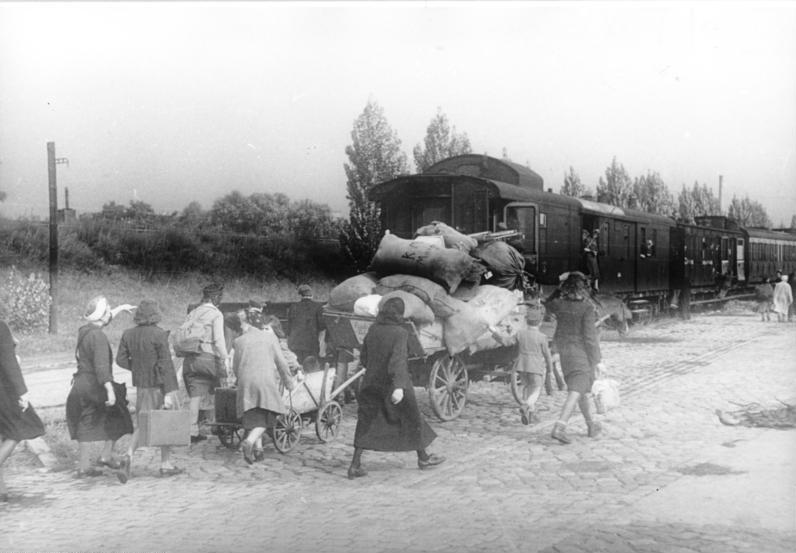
(52,161)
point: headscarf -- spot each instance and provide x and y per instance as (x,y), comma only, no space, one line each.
(575,287)
(391,311)
(96,309)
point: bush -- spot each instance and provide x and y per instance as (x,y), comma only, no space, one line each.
(25,302)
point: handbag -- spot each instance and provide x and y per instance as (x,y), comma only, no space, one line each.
(606,394)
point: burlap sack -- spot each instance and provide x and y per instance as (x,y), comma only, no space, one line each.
(444,266)
(452,237)
(414,308)
(343,296)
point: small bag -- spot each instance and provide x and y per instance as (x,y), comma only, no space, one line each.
(165,427)
(606,394)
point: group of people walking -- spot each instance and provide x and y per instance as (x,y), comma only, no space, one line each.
(388,415)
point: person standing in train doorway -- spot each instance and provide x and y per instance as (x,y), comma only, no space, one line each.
(305,323)
(590,253)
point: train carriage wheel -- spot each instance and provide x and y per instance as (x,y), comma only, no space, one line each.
(447,387)
(287,431)
(327,423)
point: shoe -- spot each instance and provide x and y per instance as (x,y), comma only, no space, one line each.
(524,410)
(247,452)
(173,471)
(560,433)
(356,472)
(124,470)
(431,461)
(89,472)
(198,438)
(259,454)
(595,429)
(110,463)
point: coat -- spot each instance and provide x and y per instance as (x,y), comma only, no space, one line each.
(85,406)
(259,364)
(382,426)
(783,297)
(15,424)
(305,322)
(575,338)
(144,350)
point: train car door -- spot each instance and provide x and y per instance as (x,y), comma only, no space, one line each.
(740,259)
(617,264)
(524,217)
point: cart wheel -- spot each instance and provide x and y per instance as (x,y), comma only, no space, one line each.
(327,422)
(230,436)
(447,387)
(287,431)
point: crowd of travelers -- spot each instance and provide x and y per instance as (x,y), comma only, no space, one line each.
(258,355)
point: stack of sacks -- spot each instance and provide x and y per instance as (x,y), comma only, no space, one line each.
(445,266)
(440,290)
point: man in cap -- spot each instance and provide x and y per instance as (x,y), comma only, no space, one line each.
(305,323)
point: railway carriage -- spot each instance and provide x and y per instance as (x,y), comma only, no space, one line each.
(767,252)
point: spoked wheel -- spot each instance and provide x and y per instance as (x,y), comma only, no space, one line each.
(287,431)
(447,387)
(230,436)
(327,423)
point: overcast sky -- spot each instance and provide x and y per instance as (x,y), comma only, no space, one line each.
(171,102)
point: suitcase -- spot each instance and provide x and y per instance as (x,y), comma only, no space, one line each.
(165,427)
(226,405)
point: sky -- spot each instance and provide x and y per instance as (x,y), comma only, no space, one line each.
(170,103)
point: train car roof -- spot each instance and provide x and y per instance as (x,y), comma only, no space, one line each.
(514,193)
(487,167)
(754,232)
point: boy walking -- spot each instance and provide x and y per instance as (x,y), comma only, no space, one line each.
(533,361)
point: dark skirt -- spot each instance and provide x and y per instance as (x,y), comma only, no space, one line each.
(258,418)
(16,424)
(87,417)
(575,368)
(382,426)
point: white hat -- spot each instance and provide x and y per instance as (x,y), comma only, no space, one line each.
(96,309)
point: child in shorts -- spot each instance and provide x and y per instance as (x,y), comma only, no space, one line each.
(533,361)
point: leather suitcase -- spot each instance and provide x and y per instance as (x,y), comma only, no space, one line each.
(165,427)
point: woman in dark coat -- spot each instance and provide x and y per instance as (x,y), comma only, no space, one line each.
(389,418)
(144,350)
(92,392)
(18,420)
(578,344)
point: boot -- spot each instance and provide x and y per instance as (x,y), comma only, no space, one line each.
(560,433)
(594,429)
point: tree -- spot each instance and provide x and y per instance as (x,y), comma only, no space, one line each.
(374,156)
(616,188)
(651,194)
(696,201)
(442,141)
(748,213)
(793,222)
(573,186)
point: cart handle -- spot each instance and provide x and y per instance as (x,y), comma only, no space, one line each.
(345,384)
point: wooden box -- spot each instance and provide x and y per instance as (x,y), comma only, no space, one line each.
(226,405)
(164,427)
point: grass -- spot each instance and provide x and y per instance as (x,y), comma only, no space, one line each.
(174,294)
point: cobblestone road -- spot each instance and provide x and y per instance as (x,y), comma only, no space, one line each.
(506,487)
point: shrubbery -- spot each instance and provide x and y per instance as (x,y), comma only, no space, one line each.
(25,302)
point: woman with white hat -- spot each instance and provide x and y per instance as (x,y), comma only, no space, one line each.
(92,390)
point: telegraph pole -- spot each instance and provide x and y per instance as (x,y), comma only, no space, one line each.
(52,161)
